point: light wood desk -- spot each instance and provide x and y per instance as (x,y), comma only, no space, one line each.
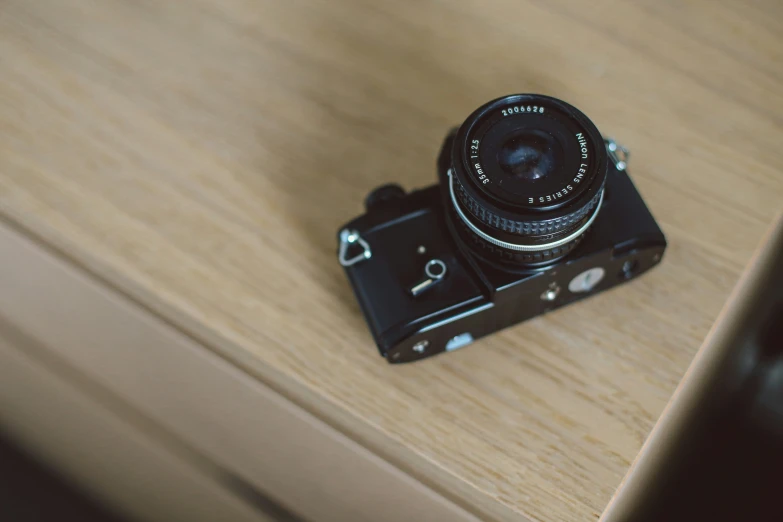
(198,158)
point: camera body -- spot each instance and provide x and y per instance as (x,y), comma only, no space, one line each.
(425,287)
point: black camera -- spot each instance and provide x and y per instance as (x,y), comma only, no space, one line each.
(533,210)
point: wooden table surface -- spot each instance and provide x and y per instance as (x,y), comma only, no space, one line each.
(201,155)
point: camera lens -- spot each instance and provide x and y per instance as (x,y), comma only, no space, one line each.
(527,178)
(529,154)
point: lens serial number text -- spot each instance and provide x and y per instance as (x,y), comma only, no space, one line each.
(519,109)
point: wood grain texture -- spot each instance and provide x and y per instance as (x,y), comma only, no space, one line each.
(201,155)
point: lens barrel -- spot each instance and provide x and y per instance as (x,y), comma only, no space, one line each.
(527,178)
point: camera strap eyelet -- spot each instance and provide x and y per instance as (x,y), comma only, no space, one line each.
(618,154)
(349,238)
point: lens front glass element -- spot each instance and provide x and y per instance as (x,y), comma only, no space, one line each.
(529,155)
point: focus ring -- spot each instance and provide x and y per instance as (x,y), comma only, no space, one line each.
(523,228)
(509,256)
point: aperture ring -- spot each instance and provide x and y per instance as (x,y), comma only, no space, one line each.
(523,228)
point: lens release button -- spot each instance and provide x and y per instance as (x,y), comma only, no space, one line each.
(587,280)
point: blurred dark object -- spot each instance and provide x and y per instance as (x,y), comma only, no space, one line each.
(717,452)
(29,492)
